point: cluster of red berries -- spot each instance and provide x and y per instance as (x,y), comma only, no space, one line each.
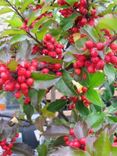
(111,57)
(74,142)
(93,61)
(52,49)
(7,146)
(87,16)
(73,100)
(19,81)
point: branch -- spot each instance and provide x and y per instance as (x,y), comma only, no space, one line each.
(23,19)
(10,117)
(15,10)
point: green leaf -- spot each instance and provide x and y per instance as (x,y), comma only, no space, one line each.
(57,105)
(108,22)
(40,76)
(12,32)
(95,120)
(94,97)
(108,92)
(5,10)
(49,59)
(109,71)
(18,38)
(12,65)
(36,97)
(113,118)
(71,2)
(68,22)
(95,79)
(113,151)
(41,94)
(68,80)
(79,152)
(65,84)
(42,150)
(92,33)
(81,108)
(28,110)
(102,145)
(63,88)
(3,3)
(15,21)
(80,42)
(44,84)
(25,4)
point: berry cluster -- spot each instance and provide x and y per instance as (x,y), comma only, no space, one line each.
(93,60)
(19,81)
(7,146)
(73,142)
(86,16)
(73,100)
(52,49)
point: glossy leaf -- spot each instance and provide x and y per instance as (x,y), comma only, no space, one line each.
(102,145)
(110,72)
(40,76)
(65,86)
(71,2)
(12,65)
(108,22)
(94,97)
(95,120)
(84,111)
(95,80)
(45,84)
(28,110)
(42,150)
(18,38)
(57,105)
(49,59)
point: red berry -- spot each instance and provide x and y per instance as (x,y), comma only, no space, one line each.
(100,46)
(84,89)
(24,86)
(71,131)
(78,71)
(57,66)
(47,37)
(76,144)
(83,141)
(45,71)
(89,44)
(18,95)
(27,100)
(29,81)
(66,138)
(58,73)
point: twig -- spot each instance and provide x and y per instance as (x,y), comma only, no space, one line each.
(9,116)
(23,19)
